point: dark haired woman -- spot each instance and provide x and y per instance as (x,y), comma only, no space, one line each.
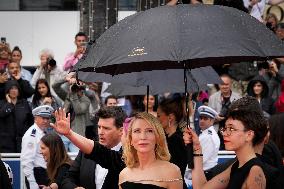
(43,95)
(258,88)
(151,104)
(15,118)
(244,129)
(58,161)
(170,114)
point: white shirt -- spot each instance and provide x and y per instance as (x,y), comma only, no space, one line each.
(30,154)
(257,9)
(101,173)
(210,144)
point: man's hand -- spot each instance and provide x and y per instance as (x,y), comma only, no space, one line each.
(79,50)
(62,124)
(16,75)
(3,77)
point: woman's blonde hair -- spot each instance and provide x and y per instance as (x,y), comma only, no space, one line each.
(161,150)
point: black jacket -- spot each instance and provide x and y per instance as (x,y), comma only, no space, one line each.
(81,173)
(14,122)
(26,90)
(266,102)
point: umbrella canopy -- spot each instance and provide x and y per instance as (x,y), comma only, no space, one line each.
(159,81)
(167,37)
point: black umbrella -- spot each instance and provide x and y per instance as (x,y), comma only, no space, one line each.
(166,37)
(159,81)
(181,37)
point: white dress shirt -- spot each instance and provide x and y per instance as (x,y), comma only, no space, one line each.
(101,173)
(210,144)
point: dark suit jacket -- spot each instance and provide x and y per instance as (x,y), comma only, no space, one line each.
(108,159)
(81,173)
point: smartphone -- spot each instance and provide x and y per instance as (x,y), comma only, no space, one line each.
(3,40)
(84,44)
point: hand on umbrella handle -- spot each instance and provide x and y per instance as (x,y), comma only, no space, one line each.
(191,140)
(187,137)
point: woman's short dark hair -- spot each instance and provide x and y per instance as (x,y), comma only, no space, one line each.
(248,111)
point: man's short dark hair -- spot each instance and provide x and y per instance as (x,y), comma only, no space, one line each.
(80,34)
(115,112)
(110,97)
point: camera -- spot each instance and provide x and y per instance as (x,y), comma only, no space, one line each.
(3,40)
(51,62)
(75,88)
(269,26)
(84,44)
(225,108)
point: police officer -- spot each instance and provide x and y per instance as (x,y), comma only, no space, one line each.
(33,164)
(209,139)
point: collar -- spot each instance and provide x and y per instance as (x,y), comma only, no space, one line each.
(209,128)
(117,147)
(39,129)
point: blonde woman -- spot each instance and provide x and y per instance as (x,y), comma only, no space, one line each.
(147,157)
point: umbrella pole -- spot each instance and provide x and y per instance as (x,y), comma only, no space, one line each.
(147,98)
(189,147)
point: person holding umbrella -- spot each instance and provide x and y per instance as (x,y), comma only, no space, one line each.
(244,129)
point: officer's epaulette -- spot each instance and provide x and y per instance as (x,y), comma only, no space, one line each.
(209,132)
(33,132)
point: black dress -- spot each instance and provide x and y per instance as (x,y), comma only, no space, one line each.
(134,185)
(239,175)
(61,171)
(178,153)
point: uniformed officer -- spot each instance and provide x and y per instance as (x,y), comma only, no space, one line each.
(32,162)
(209,139)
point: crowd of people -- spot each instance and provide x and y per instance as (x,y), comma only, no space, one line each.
(142,143)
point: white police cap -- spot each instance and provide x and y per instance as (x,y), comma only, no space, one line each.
(207,111)
(43,111)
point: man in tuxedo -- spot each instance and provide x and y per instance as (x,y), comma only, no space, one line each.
(88,173)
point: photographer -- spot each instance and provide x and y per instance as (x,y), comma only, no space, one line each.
(221,100)
(273,73)
(77,104)
(72,58)
(48,70)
